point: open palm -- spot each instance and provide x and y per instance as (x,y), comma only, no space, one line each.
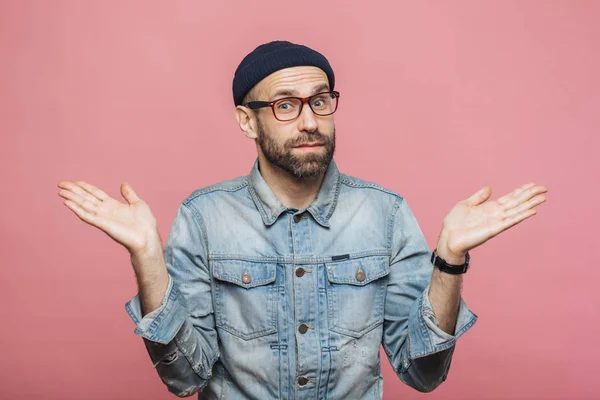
(473,221)
(130,224)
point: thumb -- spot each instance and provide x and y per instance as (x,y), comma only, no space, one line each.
(480,196)
(128,193)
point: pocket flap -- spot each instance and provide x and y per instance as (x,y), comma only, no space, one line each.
(359,271)
(244,273)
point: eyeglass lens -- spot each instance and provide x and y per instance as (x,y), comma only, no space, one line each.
(321,104)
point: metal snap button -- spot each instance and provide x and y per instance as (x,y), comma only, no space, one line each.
(360,276)
(302,381)
(303,329)
(300,272)
(298,218)
(246,278)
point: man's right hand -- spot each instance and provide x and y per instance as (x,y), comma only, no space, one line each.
(130,224)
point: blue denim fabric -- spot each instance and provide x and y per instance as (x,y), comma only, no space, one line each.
(248,275)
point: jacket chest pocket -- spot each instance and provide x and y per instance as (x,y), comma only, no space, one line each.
(356,294)
(245,297)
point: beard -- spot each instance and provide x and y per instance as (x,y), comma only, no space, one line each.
(300,165)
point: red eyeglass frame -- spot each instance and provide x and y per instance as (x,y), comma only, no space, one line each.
(254,105)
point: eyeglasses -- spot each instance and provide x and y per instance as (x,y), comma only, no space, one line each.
(289,108)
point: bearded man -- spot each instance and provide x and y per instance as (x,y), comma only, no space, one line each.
(283,284)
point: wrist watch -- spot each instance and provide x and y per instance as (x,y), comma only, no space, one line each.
(449,268)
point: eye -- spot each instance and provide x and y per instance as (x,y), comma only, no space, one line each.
(287,106)
(320,102)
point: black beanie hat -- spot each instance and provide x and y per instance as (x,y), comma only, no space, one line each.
(270,57)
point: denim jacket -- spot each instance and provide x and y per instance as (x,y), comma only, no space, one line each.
(268,302)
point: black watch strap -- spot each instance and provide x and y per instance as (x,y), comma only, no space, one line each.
(450,268)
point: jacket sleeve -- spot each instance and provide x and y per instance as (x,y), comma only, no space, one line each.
(418,350)
(180,335)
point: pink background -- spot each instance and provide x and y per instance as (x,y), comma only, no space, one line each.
(438,99)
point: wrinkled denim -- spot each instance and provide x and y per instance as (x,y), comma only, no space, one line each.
(261,295)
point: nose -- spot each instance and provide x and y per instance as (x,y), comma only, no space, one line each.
(307,121)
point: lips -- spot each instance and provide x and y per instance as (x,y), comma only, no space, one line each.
(310,145)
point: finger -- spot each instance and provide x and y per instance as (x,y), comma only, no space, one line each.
(506,198)
(75,188)
(515,219)
(81,213)
(93,190)
(480,196)
(533,202)
(524,196)
(129,194)
(79,201)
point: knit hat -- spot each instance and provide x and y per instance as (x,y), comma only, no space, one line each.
(270,57)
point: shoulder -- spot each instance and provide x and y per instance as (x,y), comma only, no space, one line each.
(353,183)
(220,189)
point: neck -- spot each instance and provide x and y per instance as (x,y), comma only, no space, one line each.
(291,191)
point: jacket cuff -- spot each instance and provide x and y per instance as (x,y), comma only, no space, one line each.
(162,324)
(425,336)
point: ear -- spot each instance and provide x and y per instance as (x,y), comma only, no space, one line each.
(247,121)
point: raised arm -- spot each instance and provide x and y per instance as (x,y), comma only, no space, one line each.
(173,309)
(130,224)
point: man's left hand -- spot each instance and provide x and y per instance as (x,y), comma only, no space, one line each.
(474,221)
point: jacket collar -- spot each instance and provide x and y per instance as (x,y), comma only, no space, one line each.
(270,207)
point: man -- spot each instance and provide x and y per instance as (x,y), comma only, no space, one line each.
(285,283)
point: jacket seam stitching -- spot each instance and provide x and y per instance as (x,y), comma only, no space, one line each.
(217,188)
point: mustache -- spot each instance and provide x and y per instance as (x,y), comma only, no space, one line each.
(311,138)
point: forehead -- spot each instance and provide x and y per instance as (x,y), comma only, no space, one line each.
(295,81)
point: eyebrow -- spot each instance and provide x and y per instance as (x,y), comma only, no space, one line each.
(287,92)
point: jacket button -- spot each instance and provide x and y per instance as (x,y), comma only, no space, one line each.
(298,218)
(246,278)
(302,381)
(303,328)
(300,272)
(360,276)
